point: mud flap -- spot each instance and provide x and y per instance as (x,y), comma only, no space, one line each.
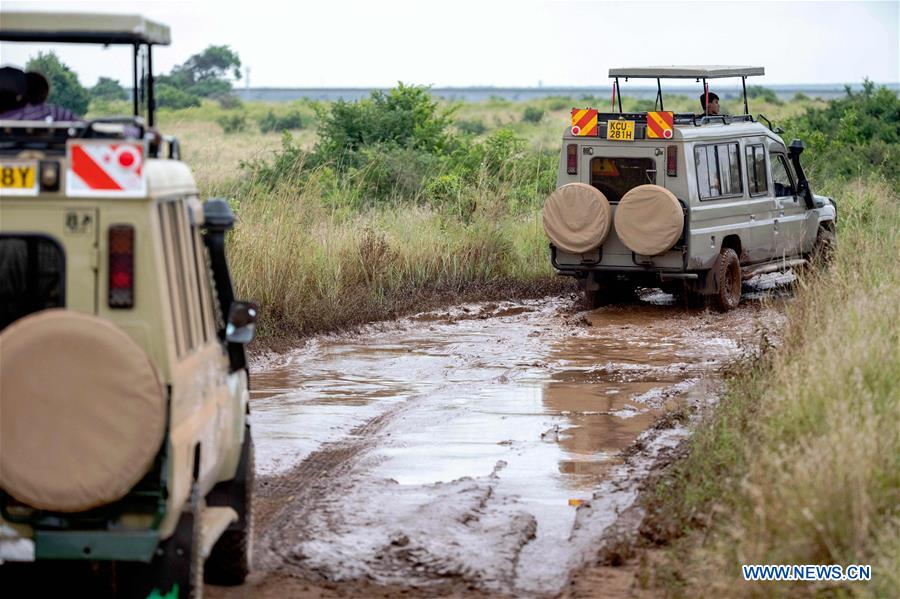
(169,574)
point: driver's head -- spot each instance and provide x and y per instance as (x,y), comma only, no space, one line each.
(12,88)
(37,88)
(713,103)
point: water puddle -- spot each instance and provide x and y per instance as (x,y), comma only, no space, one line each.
(496,421)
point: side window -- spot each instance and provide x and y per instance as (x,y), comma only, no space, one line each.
(32,276)
(756,170)
(208,315)
(781,176)
(718,170)
(176,303)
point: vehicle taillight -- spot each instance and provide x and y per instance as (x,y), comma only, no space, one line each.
(121,266)
(672,161)
(572,159)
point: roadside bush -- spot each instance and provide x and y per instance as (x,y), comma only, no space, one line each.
(532,114)
(168,96)
(758,92)
(273,122)
(229,101)
(406,116)
(232,123)
(857,135)
(472,127)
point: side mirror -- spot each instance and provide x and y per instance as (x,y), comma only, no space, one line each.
(241,325)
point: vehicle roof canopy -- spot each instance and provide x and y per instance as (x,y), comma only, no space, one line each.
(82,28)
(687,72)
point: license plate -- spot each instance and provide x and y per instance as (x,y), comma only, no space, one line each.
(620,130)
(18,178)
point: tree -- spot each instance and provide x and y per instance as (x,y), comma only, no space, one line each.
(108,89)
(65,89)
(206,74)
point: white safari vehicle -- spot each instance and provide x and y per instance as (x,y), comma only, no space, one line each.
(692,203)
(126,460)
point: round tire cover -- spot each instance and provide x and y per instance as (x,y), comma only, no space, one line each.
(577,217)
(649,220)
(82,411)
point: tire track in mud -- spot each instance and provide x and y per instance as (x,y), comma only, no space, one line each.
(456,487)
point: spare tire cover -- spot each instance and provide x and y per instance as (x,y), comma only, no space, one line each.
(649,220)
(577,217)
(82,411)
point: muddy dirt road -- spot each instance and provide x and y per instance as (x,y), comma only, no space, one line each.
(479,450)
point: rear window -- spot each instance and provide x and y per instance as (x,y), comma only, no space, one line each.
(32,276)
(616,176)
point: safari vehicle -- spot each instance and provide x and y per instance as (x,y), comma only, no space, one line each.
(125,446)
(692,203)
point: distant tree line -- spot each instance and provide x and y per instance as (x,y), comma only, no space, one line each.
(208,74)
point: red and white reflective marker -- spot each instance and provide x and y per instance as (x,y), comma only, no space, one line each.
(667,133)
(106,169)
(576,130)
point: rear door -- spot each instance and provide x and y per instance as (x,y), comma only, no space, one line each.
(48,256)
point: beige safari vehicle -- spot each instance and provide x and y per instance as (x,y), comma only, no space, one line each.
(126,460)
(692,203)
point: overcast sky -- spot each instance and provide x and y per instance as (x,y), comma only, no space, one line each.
(338,43)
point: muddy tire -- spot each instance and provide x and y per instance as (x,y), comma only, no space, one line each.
(591,299)
(727,274)
(230,560)
(823,250)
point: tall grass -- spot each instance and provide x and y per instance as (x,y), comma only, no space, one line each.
(800,464)
(316,265)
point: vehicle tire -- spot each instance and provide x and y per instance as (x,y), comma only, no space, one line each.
(727,273)
(592,299)
(823,250)
(230,560)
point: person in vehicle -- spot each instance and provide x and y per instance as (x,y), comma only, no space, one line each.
(713,108)
(32,105)
(12,89)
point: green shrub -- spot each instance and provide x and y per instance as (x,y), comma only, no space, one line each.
(228,101)
(406,117)
(758,92)
(232,123)
(532,114)
(273,122)
(857,135)
(472,126)
(168,96)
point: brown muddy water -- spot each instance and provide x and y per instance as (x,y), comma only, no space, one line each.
(479,449)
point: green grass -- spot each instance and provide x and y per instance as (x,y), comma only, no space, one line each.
(800,462)
(314,267)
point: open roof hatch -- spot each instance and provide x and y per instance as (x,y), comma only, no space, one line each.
(697,72)
(95,28)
